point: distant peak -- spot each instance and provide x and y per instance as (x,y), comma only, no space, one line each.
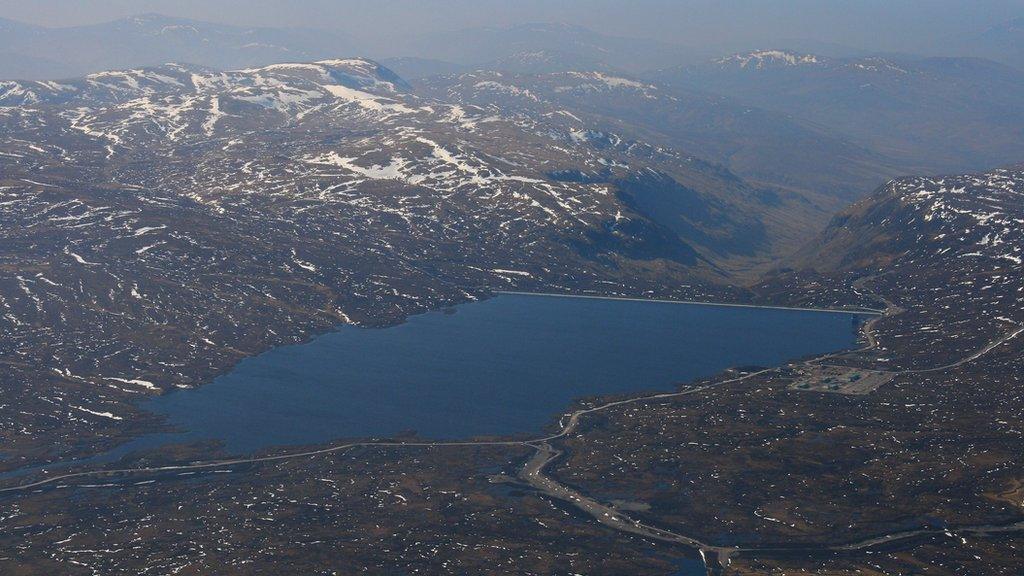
(547,27)
(351,64)
(360,73)
(877,64)
(364,63)
(153,18)
(759,59)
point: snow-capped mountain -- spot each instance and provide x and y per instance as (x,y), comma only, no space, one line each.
(971,222)
(953,244)
(946,256)
(761,59)
(758,145)
(390,136)
(769,60)
(172,220)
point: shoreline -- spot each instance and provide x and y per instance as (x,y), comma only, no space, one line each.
(119,451)
(863,311)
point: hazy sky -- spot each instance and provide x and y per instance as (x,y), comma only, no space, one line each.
(876,24)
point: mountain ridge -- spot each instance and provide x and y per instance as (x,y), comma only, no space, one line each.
(927,114)
(153,39)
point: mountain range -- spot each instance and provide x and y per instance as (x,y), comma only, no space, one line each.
(160,223)
(771,150)
(927,115)
(1003,42)
(245,209)
(37,52)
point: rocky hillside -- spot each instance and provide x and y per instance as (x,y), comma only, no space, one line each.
(159,224)
(802,174)
(946,252)
(968,223)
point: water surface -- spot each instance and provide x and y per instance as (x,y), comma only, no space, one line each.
(504,366)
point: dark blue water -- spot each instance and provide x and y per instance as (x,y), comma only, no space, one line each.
(503,366)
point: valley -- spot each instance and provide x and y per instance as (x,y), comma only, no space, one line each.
(231,249)
(308,316)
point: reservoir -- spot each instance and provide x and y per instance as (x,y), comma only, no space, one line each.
(507,366)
